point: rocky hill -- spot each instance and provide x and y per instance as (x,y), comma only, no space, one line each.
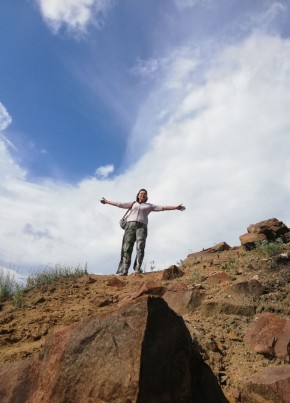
(215,328)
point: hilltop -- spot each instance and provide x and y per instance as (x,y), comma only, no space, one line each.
(220,293)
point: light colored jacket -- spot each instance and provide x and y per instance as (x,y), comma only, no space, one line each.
(139,211)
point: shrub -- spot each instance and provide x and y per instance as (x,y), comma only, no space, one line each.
(196,276)
(270,248)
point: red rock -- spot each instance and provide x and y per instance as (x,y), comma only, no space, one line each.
(264,330)
(150,288)
(271,385)
(140,353)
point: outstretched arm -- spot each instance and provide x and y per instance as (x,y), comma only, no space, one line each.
(179,207)
(106,201)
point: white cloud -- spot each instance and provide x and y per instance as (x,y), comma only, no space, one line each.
(222,149)
(148,68)
(73,14)
(5,118)
(104,171)
(8,167)
(183,4)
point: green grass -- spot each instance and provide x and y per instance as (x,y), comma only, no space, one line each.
(52,275)
(10,289)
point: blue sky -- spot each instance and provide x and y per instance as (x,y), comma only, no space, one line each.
(188,98)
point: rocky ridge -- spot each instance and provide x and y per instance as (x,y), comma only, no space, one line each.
(234,302)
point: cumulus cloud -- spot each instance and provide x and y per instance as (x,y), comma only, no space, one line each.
(217,142)
(104,171)
(73,14)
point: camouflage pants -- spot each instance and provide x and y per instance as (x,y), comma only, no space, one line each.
(134,232)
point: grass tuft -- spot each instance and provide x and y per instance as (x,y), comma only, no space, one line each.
(52,275)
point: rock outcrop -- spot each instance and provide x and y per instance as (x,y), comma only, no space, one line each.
(140,353)
(268,230)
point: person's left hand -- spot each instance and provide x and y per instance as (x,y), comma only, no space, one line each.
(180,207)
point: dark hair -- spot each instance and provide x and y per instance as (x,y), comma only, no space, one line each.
(144,190)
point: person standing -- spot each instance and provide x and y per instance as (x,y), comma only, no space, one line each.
(136,229)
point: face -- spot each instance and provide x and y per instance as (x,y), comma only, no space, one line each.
(142,196)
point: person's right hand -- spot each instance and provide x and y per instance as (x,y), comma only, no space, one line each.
(103,200)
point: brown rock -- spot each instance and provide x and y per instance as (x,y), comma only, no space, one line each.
(214,308)
(268,230)
(91,280)
(271,385)
(271,228)
(180,286)
(172,272)
(269,335)
(115,282)
(251,288)
(183,302)
(150,288)
(249,240)
(220,247)
(141,353)
(286,237)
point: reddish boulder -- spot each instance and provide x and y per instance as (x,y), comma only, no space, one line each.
(271,385)
(269,335)
(140,353)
